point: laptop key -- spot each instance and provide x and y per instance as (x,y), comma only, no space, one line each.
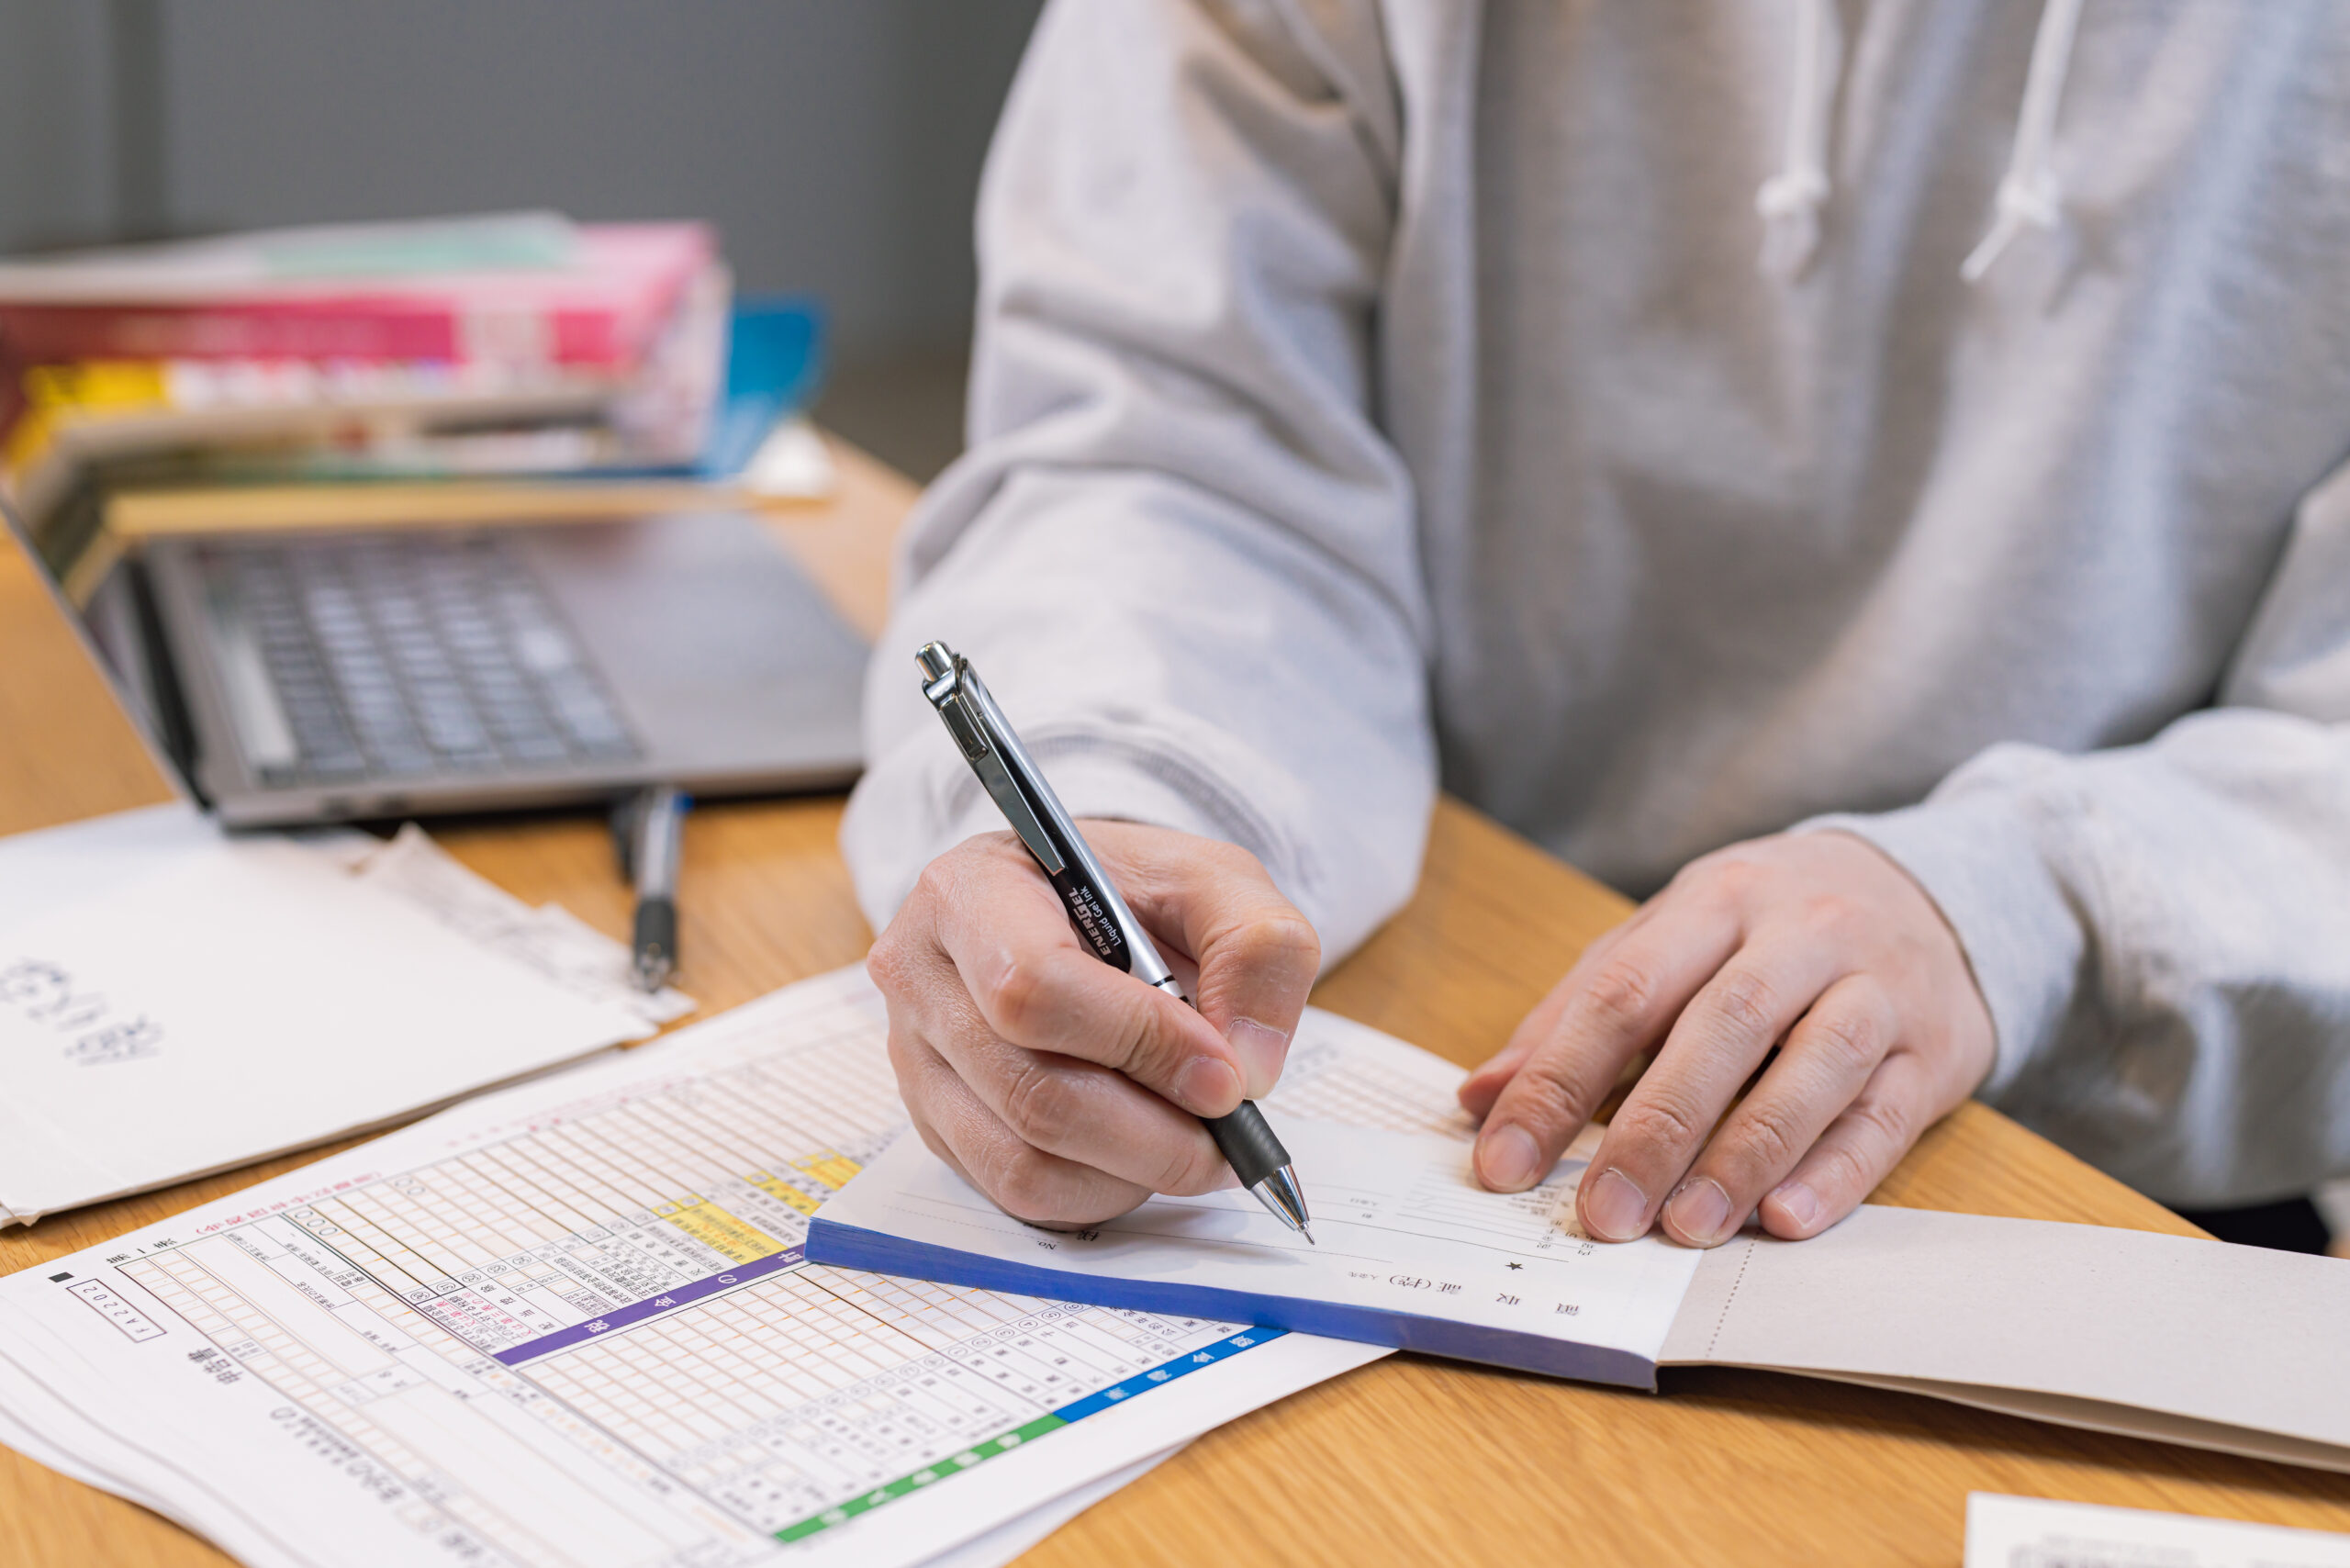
(405,655)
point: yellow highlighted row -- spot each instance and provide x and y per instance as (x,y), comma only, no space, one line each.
(720,1232)
(832,1168)
(788,1192)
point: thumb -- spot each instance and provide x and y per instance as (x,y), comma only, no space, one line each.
(1257,955)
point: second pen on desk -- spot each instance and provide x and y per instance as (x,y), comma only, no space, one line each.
(648,830)
(1095,909)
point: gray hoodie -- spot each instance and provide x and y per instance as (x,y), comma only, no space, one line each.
(1668,422)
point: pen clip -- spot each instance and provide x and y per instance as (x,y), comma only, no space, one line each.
(1013,780)
(968,718)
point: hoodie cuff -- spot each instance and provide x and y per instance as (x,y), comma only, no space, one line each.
(1979,859)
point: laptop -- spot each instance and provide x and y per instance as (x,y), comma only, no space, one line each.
(300,678)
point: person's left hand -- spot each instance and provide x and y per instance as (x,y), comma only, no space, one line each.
(1816,943)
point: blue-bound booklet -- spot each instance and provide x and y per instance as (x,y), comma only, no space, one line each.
(1408,1251)
(2164,1336)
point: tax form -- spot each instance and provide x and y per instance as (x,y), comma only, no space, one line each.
(1409,1251)
(571,1323)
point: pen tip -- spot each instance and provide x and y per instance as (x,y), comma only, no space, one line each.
(1307,1232)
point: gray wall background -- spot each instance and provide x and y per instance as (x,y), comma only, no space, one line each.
(837,143)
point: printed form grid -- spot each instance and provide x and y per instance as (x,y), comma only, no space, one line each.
(442,1505)
(779,1397)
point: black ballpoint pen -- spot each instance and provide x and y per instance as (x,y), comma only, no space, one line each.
(647,829)
(1095,909)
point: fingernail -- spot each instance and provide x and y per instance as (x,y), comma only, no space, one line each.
(1614,1208)
(1699,1210)
(1207,1087)
(1261,1049)
(1507,1160)
(1798,1203)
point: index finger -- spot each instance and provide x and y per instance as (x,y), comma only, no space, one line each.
(1039,986)
(1610,1012)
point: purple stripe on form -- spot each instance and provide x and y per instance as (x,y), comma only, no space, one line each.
(638,1311)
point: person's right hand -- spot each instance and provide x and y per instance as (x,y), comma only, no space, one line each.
(1066,1090)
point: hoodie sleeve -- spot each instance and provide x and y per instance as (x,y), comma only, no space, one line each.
(2163,931)
(1178,548)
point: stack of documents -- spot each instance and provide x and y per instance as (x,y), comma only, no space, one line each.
(174,1002)
(572,1322)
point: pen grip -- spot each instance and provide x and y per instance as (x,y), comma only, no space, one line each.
(1244,1138)
(657,932)
(1247,1143)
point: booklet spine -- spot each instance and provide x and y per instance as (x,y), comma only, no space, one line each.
(854,1247)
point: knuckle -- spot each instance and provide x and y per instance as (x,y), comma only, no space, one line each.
(886,963)
(1747,1004)
(1187,1169)
(933,886)
(1768,1137)
(1157,1060)
(1028,1185)
(1620,994)
(1840,1171)
(1285,941)
(1826,917)
(1657,1124)
(1553,1089)
(1730,875)
(1892,1123)
(1140,1047)
(1013,996)
(1042,1104)
(1850,1040)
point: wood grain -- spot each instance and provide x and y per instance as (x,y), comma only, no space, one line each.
(1407,1462)
(66,751)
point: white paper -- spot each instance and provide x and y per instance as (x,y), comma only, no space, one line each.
(565,1319)
(246,998)
(1006,1541)
(2037,1532)
(347,846)
(143,1479)
(550,938)
(56,866)
(1353,1076)
(1405,1243)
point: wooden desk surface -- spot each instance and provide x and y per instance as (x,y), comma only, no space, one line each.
(1409,1461)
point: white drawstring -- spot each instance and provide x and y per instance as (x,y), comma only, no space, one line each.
(1790,200)
(2029,193)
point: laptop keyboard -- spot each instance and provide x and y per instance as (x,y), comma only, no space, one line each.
(414,654)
